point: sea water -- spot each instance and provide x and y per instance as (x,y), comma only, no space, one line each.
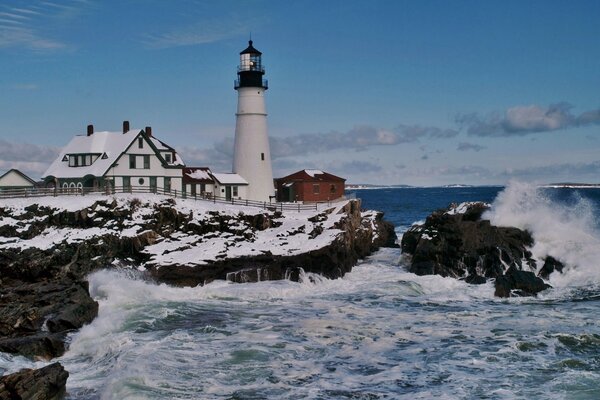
(378,333)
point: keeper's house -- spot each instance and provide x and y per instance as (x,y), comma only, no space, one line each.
(15,179)
(131,158)
(310,185)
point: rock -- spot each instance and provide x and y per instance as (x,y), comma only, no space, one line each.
(35,316)
(551,264)
(459,244)
(519,283)
(456,242)
(34,384)
(44,346)
(360,236)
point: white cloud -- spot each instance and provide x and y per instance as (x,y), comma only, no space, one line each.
(524,120)
(199,33)
(24,26)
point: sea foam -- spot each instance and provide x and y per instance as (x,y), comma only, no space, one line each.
(566,231)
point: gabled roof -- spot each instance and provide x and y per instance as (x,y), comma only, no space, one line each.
(197,175)
(229,179)
(311,175)
(108,145)
(22,175)
(250,49)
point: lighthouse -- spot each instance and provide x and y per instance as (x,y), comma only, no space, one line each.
(251,154)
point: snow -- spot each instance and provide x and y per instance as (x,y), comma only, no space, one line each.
(313,172)
(229,179)
(113,144)
(463,208)
(200,174)
(291,237)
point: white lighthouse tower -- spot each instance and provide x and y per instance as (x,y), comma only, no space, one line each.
(251,156)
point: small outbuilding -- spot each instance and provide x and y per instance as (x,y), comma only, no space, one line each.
(310,185)
(198,182)
(15,179)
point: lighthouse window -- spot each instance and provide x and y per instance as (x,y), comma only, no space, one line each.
(262,156)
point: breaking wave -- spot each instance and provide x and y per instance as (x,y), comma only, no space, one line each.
(563,226)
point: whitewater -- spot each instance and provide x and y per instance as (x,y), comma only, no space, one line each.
(378,333)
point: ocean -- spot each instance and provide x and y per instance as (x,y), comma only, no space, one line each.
(378,333)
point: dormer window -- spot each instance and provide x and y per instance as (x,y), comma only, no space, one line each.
(168,158)
(81,160)
(65,158)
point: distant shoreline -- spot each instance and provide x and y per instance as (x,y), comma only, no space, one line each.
(545,185)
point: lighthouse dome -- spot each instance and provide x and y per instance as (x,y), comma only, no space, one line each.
(250,49)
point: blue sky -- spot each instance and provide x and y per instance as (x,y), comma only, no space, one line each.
(383,92)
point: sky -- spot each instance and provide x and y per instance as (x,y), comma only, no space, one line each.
(383,92)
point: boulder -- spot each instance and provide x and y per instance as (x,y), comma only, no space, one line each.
(519,283)
(34,317)
(457,242)
(551,264)
(34,384)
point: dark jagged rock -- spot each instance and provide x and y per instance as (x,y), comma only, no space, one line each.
(34,384)
(551,264)
(456,242)
(519,283)
(34,317)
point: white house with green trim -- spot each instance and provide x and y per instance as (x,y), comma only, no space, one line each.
(131,158)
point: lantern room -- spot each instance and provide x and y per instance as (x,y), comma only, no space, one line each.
(251,70)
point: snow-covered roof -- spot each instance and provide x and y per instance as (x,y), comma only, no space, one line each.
(162,147)
(108,145)
(229,179)
(310,175)
(18,173)
(313,172)
(197,174)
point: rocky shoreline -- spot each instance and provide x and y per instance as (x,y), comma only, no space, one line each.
(47,248)
(459,242)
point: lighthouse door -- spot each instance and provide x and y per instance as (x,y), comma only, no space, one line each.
(228,192)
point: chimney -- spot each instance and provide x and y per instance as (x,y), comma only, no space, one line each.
(90,130)
(148,131)
(125,126)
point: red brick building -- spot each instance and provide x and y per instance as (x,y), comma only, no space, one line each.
(310,185)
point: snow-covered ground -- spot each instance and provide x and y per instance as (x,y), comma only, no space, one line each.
(291,233)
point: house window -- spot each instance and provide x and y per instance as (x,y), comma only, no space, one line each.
(168,158)
(235,191)
(262,156)
(332,188)
(141,181)
(131,161)
(202,188)
(81,160)
(153,183)
(141,142)
(167,184)
(146,162)
(316,188)
(193,187)
(126,183)
(72,161)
